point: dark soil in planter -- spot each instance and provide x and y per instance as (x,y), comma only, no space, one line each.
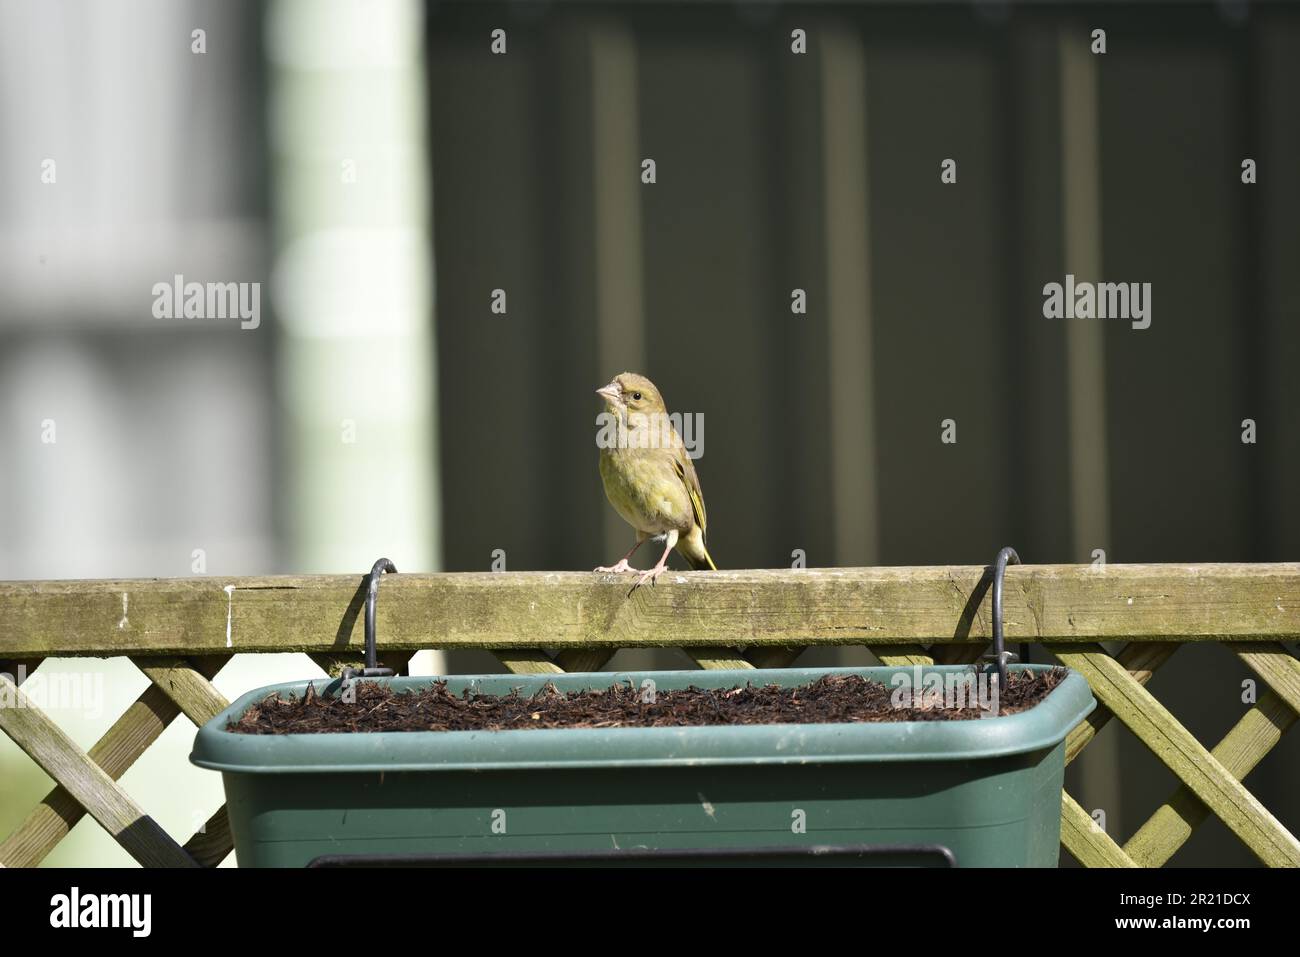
(830,699)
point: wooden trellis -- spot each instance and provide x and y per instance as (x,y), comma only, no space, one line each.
(180,632)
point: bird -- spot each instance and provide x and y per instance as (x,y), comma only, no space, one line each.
(649,478)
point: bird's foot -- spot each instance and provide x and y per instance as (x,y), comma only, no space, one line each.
(616,569)
(650,575)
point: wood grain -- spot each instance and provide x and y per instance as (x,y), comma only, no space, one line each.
(731,609)
(47,744)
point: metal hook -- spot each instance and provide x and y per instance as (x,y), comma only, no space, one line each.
(372,669)
(1005,557)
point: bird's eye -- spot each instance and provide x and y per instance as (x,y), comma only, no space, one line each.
(636,396)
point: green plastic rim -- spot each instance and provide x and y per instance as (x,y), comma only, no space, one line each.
(1039,728)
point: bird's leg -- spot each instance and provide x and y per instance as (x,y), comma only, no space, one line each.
(652,574)
(622,565)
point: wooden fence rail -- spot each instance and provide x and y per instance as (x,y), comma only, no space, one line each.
(181,631)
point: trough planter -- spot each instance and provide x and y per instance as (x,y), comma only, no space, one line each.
(982,792)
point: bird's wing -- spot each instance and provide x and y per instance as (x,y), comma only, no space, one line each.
(686,472)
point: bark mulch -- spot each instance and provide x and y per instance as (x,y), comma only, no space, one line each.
(830,699)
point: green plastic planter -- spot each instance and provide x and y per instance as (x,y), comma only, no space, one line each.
(983,792)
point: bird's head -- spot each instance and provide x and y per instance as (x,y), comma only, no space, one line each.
(632,393)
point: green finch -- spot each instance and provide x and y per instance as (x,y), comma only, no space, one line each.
(649,478)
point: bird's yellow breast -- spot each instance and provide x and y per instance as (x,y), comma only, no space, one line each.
(645,490)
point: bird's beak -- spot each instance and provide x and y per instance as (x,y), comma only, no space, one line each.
(609,392)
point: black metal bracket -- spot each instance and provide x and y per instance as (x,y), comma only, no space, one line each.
(1000,655)
(372,669)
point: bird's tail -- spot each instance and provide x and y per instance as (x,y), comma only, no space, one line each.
(692,549)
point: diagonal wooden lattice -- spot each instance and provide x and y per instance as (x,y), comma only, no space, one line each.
(903,616)
(1211,780)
